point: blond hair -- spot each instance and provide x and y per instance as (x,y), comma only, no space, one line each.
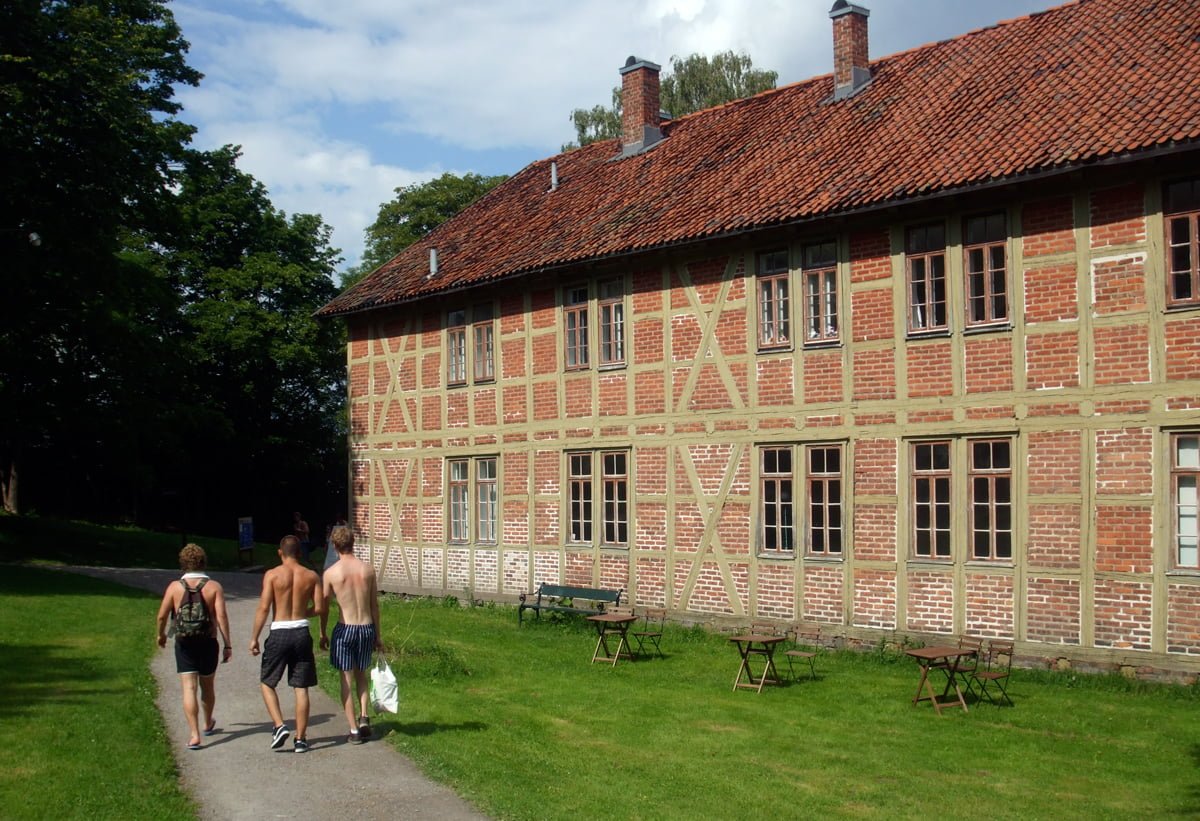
(343,539)
(192,558)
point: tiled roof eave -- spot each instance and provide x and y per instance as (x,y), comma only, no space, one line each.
(905,198)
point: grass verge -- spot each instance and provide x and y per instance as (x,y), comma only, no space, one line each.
(520,721)
(80,735)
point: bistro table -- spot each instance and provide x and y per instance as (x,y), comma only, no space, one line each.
(756,644)
(944,658)
(609,625)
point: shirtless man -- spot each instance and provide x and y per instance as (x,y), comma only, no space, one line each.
(290,594)
(352,582)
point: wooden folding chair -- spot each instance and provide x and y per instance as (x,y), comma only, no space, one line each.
(965,666)
(651,632)
(807,640)
(997,670)
(764,628)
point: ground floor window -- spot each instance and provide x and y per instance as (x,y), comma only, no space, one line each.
(472,499)
(817,470)
(934,485)
(1185,471)
(609,470)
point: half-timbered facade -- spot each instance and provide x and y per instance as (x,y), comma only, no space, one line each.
(910,348)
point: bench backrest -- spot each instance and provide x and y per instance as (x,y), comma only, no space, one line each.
(589,593)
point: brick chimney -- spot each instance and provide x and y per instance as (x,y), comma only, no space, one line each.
(851,59)
(639,106)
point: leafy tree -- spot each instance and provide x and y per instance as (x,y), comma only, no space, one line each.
(87,138)
(417,210)
(267,379)
(693,84)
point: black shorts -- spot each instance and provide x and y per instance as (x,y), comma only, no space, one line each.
(291,648)
(197,654)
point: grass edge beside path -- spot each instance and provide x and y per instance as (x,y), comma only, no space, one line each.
(81,735)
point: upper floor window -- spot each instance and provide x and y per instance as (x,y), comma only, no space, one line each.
(472,512)
(1185,473)
(1181,207)
(818,470)
(820,292)
(613,513)
(774,310)
(481,352)
(612,322)
(575,327)
(925,259)
(985,267)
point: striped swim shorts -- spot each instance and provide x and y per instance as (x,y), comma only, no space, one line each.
(351,646)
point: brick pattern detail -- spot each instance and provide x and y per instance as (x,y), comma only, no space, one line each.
(1122,354)
(823,586)
(432,569)
(990,602)
(1124,461)
(640,105)
(875,467)
(1183,348)
(822,376)
(1052,361)
(874,374)
(1053,541)
(458,569)
(1051,294)
(1118,215)
(1122,614)
(930,602)
(776,591)
(614,573)
(1119,286)
(871,315)
(850,48)
(709,594)
(652,582)
(875,533)
(1055,459)
(870,256)
(1123,539)
(1052,610)
(989,363)
(776,382)
(1047,227)
(875,599)
(929,369)
(1183,619)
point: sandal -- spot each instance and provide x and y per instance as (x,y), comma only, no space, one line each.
(211,729)
(194,745)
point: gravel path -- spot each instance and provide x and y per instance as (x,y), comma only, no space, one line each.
(237,776)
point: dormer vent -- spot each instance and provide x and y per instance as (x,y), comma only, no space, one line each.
(433,263)
(640,118)
(851,57)
(553,175)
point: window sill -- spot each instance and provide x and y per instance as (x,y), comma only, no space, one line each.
(914,561)
(979,564)
(996,327)
(1184,573)
(823,344)
(817,558)
(612,366)
(768,350)
(1182,307)
(778,556)
(933,333)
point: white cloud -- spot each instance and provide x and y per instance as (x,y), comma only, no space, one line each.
(469,75)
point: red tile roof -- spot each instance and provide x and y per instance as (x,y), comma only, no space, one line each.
(1089,81)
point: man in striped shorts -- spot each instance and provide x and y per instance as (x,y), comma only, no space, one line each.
(356,634)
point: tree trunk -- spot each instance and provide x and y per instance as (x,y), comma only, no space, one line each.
(12,502)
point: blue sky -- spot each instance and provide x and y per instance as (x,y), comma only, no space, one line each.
(336,103)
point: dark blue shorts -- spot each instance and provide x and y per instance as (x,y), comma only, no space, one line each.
(291,648)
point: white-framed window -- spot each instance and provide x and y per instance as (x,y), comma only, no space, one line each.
(985,269)
(925,261)
(820,292)
(472,500)
(816,469)
(608,469)
(479,357)
(774,300)
(1181,218)
(1185,504)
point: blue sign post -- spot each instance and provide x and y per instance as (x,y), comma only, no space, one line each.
(246,539)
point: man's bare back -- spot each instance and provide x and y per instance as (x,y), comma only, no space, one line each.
(291,589)
(352,582)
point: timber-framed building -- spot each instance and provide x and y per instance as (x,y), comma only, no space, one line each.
(910,348)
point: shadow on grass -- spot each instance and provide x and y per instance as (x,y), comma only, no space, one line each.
(18,580)
(381,729)
(34,673)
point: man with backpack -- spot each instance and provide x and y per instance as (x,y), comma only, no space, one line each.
(195,606)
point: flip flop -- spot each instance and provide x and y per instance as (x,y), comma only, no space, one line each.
(211,729)
(193,745)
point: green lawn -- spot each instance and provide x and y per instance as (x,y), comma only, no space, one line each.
(80,736)
(518,720)
(69,542)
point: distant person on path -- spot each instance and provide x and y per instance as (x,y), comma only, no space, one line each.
(301,532)
(352,582)
(196,604)
(290,594)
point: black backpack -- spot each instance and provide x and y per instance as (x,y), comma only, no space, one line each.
(192,619)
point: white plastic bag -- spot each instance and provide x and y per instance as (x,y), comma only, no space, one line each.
(385,693)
